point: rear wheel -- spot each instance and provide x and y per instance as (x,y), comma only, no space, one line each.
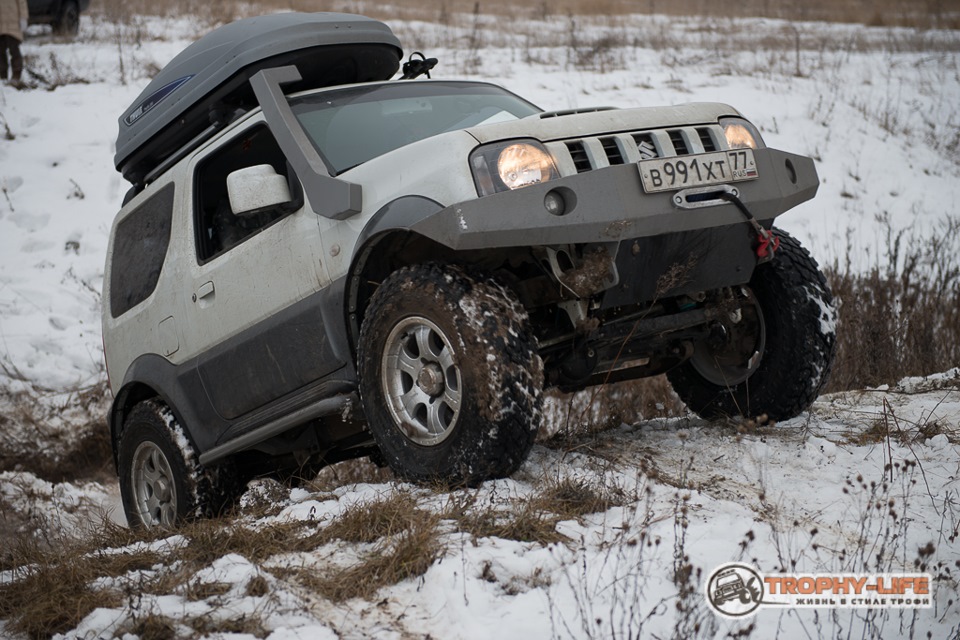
(161,482)
(449,374)
(771,352)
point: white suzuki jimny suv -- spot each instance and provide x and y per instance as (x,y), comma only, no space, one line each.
(316,262)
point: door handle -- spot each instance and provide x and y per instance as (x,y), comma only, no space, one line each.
(206,289)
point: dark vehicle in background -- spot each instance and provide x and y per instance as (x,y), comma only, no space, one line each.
(62,15)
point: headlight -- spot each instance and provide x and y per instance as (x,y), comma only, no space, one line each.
(741,134)
(511,165)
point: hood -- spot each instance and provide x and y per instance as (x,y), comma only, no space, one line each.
(551,126)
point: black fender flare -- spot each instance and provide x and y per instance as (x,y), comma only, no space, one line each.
(401,215)
(153,376)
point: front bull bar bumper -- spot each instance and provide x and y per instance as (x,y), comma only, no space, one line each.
(609,205)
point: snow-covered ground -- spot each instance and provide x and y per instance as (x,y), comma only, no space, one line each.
(879,110)
(868,482)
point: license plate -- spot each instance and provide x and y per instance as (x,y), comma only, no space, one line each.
(704,169)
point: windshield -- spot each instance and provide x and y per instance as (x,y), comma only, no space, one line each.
(350,126)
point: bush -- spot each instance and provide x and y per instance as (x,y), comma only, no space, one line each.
(58,435)
(902,317)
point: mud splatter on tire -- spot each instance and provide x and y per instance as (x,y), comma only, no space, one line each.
(495,356)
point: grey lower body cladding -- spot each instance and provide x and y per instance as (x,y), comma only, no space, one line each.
(280,367)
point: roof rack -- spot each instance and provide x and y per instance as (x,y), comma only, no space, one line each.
(207,86)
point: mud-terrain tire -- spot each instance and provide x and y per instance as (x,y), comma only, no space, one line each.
(162,484)
(450,377)
(799,338)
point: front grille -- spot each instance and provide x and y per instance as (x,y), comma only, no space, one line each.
(579,156)
(587,154)
(612,149)
(679,144)
(706,139)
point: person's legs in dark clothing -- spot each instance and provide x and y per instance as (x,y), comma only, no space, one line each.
(16,59)
(12,45)
(3,56)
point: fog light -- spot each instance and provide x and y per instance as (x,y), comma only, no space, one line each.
(553,202)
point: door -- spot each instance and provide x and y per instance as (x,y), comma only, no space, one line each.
(252,310)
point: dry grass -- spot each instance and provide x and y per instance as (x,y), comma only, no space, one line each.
(407,553)
(407,543)
(213,539)
(610,405)
(52,601)
(370,521)
(207,626)
(931,14)
(57,435)
(512,519)
(533,518)
(152,627)
(573,498)
(51,546)
(159,627)
(51,592)
(51,589)
(523,522)
(888,427)
(902,318)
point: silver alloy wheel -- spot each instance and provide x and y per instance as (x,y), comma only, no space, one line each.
(421,381)
(154,490)
(734,351)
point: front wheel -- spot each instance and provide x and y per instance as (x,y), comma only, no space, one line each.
(449,375)
(772,350)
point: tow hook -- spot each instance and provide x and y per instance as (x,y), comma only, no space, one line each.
(766,242)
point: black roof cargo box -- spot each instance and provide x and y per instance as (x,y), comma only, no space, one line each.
(204,86)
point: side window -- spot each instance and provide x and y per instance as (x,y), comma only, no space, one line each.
(217,228)
(139,248)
